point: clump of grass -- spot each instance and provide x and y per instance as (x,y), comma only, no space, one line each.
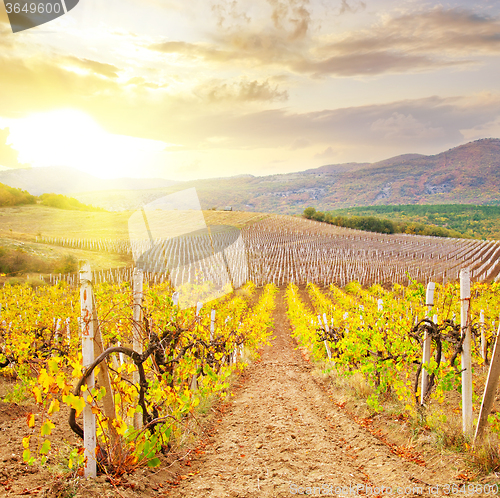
(485,457)
(14,262)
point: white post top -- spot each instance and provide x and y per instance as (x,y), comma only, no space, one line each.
(465,283)
(198,307)
(380,305)
(175,298)
(429,295)
(212,315)
(85,273)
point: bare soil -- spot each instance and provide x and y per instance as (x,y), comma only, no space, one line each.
(280,434)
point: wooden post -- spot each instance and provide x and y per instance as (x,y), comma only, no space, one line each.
(426,355)
(104,381)
(138,279)
(483,338)
(466,352)
(212,325)
(87,323)
(68,332)
(57,333)
(325,325)
(490,390)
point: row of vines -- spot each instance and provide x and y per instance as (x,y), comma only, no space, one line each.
(377,335)
(185,358)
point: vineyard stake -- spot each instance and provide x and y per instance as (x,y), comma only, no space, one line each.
(327,347)
(466,352)
(87,324)
(104,381)
(483,338)
(212,325)
(426,355)
(138,279)
(489,391)
(199,305)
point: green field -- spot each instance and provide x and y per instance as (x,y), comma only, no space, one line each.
(479,222)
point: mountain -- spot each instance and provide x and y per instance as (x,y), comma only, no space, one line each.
(467,174)
(65,180)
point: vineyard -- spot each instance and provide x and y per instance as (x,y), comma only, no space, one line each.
(117,373)
(283,249)
(379,335)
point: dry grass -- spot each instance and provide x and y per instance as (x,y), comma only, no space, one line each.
(26,222)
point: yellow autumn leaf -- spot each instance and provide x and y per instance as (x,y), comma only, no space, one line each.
(74,402)
(54,407)
(38,394)
(45,380)
(61,382)
(26,442)
(77,370)
(119,425)
(46,428)
(30,419)
(53,364)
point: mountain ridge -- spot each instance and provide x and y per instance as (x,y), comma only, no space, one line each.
(66,180)
(466,174)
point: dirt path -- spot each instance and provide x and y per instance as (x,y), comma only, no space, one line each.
(281,434)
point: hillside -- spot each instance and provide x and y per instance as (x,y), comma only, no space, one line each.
(64,180)
(14,197)
(468,174)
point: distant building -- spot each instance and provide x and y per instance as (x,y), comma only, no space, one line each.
(228,208)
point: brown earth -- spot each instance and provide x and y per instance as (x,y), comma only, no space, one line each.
(280,434)
(283,432)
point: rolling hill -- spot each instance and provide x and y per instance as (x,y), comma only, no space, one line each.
(467,174)
(65,180)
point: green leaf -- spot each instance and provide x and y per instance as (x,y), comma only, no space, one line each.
(154,462)
(45,447)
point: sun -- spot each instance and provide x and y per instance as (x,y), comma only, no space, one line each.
(70,137)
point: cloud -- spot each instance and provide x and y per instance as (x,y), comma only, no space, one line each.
(347,7)
(326,154)
(292,17)
(300,143)
(107,70)
(399,126)
(243,91)
(407,125)
(8,156)
(37,83)
(412,42)
(437,31)
(228,12)
(370,63)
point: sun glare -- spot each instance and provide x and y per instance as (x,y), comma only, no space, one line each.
(70,137)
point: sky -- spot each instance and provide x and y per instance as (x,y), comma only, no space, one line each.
(212,88)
